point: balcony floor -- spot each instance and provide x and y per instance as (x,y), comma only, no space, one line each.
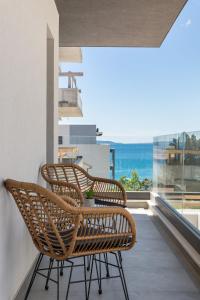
(155,270)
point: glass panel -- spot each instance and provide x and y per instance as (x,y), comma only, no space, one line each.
(191,201)
(176,173)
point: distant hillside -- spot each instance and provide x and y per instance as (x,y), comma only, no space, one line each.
(106,142)
(115,143)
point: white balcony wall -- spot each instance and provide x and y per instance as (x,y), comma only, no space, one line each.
(73,105)
(23,85)
(64,131)
(98,156)
(83,137)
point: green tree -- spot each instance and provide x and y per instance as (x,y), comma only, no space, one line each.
(134,183)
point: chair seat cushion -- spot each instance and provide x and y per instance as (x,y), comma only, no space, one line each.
(87,245)
(100,243)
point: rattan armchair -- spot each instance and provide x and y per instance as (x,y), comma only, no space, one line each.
(62,231)
(108,191)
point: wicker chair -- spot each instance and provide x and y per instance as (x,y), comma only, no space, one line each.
(62,231)
(60,176)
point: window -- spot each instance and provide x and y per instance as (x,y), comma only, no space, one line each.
(60,140)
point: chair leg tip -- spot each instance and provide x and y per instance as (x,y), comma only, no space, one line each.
(100,291)
(46,288)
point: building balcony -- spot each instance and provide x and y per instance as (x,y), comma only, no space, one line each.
(165,262)
(70,103)
(70,54)
(156,269)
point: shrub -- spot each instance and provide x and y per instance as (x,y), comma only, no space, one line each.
(134,183)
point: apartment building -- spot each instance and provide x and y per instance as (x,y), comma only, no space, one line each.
(78,143)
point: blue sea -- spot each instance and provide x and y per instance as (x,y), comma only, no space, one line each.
(130,157)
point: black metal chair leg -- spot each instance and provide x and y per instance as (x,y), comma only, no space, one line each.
(122,277)
(34,275)
(97,271)
(88,263)
(106,265)
(85,278)
(70,276)
(91,271)
(120,256)
(51,261)
(100,281)
(58,279)
(61,267)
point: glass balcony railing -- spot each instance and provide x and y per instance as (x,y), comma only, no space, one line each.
(176,173)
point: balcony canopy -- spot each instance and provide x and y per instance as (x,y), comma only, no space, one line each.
(134,23)
(72,54)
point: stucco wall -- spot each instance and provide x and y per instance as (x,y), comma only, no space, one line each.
(98,156)
(23,40)
(63,130)
(84,138)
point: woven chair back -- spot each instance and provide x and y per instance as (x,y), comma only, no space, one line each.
(70,173)
(50,221)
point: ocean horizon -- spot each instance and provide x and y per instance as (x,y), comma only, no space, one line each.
(129,157)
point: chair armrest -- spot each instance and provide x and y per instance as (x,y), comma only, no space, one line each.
(66,189)
(109,189)
(115,225)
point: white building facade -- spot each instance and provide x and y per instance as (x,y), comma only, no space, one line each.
(81,139)
(28,116)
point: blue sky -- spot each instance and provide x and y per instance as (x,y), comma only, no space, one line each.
(133,94)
